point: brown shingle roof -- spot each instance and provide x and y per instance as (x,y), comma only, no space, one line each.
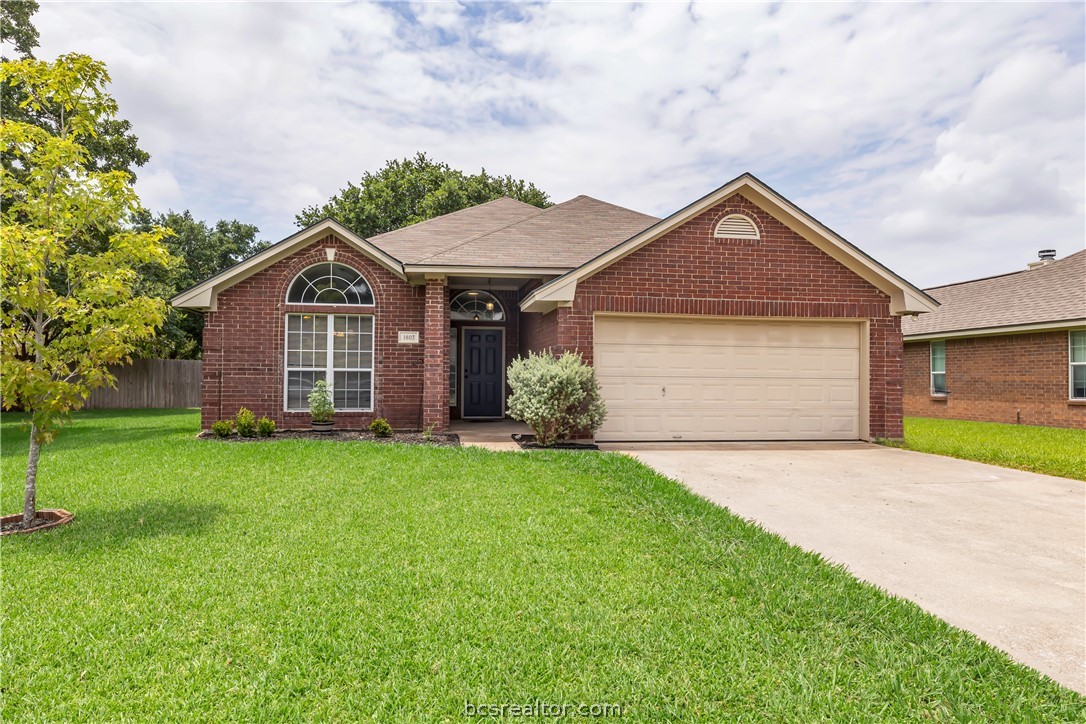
(426,238)
(1053,293)
(563,236)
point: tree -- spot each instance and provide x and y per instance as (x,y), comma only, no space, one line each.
(66,312)
(201,251)
(412,190)
(16,28)
(112,147)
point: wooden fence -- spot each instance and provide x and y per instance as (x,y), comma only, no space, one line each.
(151,383)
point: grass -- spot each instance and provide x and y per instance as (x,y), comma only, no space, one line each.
(339,581)
(1049,450)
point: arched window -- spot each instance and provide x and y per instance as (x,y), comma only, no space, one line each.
(476,306)
(737,226)
(330,283)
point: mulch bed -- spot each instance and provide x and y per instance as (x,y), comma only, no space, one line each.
(528,443)
(438,439)
(43,520)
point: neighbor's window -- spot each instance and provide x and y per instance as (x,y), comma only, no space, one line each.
(938,368)
(334,347)
(330,283)
(1078,365)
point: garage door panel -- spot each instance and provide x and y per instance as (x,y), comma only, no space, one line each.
(690,379)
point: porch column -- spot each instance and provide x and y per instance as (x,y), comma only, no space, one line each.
(435,339)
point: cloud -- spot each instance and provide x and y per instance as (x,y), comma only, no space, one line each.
(944,139)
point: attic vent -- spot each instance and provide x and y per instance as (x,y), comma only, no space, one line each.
(736,226)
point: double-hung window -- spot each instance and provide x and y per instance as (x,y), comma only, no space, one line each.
(1077,358)
(938,368)
(333,347)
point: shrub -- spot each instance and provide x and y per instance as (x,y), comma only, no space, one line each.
(222,428)
(320,402)
(265,427)
(556,396)
(428,432)
(381,428)
(245,422)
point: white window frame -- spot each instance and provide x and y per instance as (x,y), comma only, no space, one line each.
(329,369)
(931,369)
(329,264)
(1071,365)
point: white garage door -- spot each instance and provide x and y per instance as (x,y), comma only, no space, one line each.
(693,379)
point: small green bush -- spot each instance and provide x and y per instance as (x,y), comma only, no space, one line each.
(245,422)
(320,402)
(381,428)
(557,396)
(265,427)
(222,428)
(428,432)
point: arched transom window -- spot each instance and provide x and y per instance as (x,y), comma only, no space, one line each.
(737,226)
(330,283)
(476,306)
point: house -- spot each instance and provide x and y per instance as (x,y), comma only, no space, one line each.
(738,317)
(1009,348)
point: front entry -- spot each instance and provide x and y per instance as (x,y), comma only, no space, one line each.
(484,372)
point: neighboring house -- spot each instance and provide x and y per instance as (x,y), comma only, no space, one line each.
(1010,348)
(738,317)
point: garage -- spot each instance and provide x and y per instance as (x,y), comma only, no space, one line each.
(699,379)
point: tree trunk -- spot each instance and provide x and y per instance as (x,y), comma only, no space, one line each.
(30,499)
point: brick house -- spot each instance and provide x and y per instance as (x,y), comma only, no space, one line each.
(739,317)
(1009,348)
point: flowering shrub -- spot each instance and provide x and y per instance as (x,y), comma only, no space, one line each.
(557,396)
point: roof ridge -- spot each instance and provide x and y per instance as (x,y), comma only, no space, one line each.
(553,207)
(1027,270)
(613,206)
(478,236)
(445,216)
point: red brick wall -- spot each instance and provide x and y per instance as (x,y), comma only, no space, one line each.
(244,338)
(1012,378)
(688,272)
(538,332)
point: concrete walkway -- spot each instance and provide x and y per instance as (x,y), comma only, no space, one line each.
(998,552)
(489,434)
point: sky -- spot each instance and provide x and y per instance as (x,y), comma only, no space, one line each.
(947,140)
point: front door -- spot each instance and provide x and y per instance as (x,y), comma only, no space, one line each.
(484,372)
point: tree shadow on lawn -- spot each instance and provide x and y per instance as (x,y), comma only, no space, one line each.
(101,528)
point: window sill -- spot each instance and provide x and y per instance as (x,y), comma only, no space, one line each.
(1076,403)
(937,398)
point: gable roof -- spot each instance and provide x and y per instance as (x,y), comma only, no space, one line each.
(565,235)
(1050,295)
(413,243)
(905,298)
(204,295)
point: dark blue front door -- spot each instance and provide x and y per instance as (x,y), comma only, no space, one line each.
(484,360)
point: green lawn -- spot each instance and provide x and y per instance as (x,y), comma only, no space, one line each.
(1050,450)
(338,581)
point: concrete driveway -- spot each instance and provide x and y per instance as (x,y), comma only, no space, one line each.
(998,552)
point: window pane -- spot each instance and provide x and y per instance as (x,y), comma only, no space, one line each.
(330,283)
(299,385)
(1078,346)
(938,383)
(938,356)
(352,390)
(452,367)
(1078,382)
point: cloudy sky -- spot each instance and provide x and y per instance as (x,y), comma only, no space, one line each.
(945,139)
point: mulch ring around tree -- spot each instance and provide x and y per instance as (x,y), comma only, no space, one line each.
(528,442)
(438,439)
(43,520)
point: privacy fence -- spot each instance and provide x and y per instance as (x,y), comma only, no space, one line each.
(151,383)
